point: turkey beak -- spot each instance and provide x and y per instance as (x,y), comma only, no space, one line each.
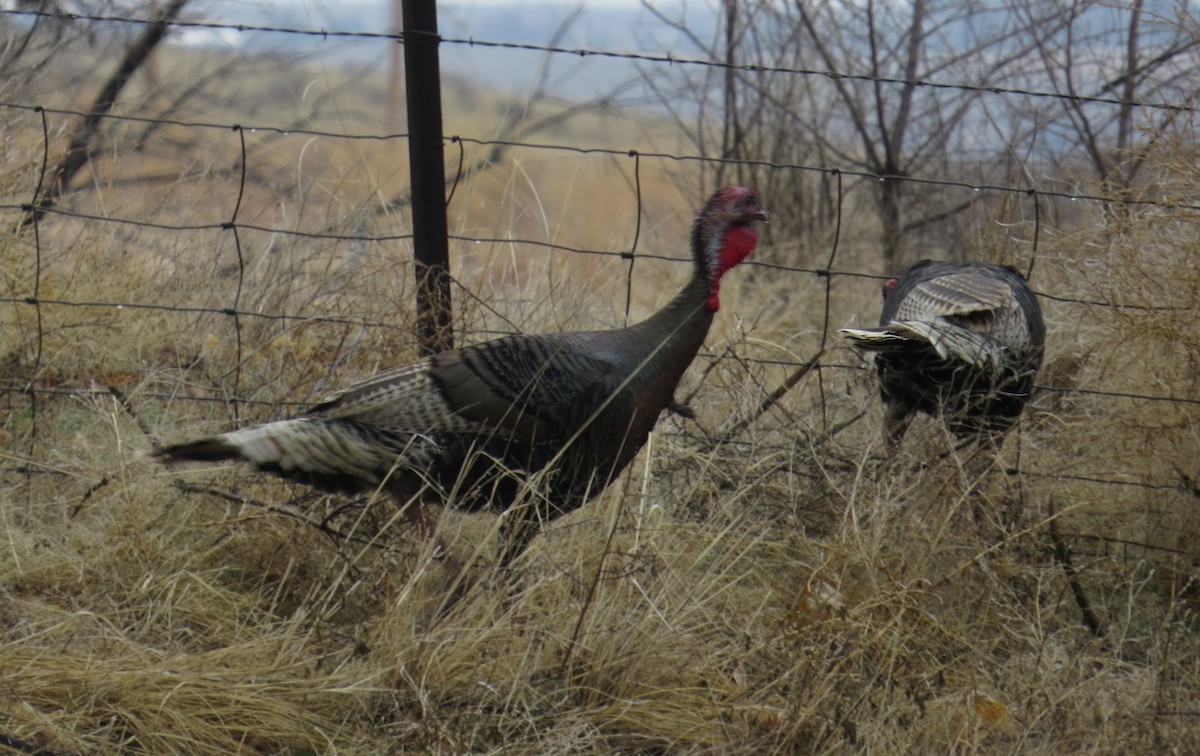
(755,212)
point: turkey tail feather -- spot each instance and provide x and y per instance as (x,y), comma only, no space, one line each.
(876,339)
(948,340)
(278,443)
(205,450)
(952,342)
(307,449)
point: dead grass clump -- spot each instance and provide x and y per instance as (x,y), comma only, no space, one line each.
(86,698)
(587,642)
(1122,487)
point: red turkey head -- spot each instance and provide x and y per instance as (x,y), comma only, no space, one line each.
(889,285)
(724,235)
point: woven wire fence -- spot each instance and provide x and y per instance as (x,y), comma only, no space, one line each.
(241,232)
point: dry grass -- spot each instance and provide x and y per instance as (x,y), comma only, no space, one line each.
(778,589)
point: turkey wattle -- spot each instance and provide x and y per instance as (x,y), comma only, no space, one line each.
(957,340)
(453,428)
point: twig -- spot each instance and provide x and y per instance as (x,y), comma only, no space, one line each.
(125,405)
(773,397)
(595,582)
(104,481)
(1128,542)
(320,525)
(1186,483)
(846,424)
(78,154)
(1064,558)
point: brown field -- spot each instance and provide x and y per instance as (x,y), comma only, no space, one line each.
(752,584)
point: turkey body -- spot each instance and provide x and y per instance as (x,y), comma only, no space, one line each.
(467,427)
(958,340)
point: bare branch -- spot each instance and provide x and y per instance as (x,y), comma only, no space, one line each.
(78,152)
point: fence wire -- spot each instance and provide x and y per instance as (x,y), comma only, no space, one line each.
(583,52)
(29,216)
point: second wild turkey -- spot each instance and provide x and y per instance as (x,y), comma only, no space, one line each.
(957,340)
(464,427)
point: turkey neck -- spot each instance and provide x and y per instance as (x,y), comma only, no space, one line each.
(664,344)
(661,348)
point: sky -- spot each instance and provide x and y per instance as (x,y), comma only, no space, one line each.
(613,25)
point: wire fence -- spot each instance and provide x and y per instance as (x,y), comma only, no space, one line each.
(29,215)
(580,52)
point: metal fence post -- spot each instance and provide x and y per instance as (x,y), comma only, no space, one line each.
(431,255)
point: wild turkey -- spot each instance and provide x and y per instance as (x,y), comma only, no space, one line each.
(960,340)
(464,427)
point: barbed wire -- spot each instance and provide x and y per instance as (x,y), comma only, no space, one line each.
(582,52)
(835,75)
(219,126)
